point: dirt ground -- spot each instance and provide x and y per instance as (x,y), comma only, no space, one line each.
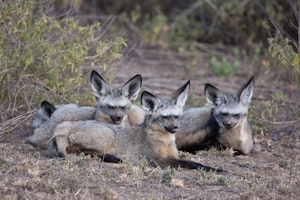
(270,172)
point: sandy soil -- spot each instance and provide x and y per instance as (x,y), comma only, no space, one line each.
(272,172)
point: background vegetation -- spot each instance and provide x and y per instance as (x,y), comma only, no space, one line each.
(48,48)
(43,57)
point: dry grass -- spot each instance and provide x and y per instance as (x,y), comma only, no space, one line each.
(26,174)
(270,173)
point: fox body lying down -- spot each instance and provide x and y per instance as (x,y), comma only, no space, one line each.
(114,106)
(154,140)
(69,112)
(224,121)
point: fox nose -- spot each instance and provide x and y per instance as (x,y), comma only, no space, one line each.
(173,129)
(117,119)
(228,125)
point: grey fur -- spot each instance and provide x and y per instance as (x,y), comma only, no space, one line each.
(151,140)
(114,104)
(224,120)
(49,116)
(44,114)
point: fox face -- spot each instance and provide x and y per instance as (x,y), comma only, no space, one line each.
(165,112)
(230,110)
(114,104)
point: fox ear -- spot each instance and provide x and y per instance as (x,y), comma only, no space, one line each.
(149,102)
(48,108)
(99,86)
(246,92)
(132,88)
(44,114)
(213,95)
(181,94)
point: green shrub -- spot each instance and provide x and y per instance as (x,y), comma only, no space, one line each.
(283,49)
(166,23)
(224,67)
(43,58)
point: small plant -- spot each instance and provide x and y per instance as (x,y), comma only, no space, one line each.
(168,174)
(134,172)
(224,67)
(257,124)
(208,178)
(271,107)
(278,95)
(283,49)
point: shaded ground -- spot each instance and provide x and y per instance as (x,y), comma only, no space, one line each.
(271,173)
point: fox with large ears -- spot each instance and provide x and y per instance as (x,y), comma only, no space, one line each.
(224,120)
(115,106)
(154,140)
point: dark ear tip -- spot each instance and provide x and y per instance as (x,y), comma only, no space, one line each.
(94,72)
(95,75)
(146,93)
(44,103)
(188,83)
(207,85)
(138,76)
(251,81)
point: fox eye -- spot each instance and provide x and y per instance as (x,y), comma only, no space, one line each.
(122,107)
(176,116)
(165,117)
(236,115)
(110,107)
(225,114)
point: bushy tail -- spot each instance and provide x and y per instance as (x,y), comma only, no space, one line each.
(173,162)
(59,148)
(77,149)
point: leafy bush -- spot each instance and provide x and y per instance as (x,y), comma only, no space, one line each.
(43,58)
(284,47)
(228,22)
(284,50)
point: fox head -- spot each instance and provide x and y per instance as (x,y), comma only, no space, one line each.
(44,113)
(164,112)
(114,103)
(229,110)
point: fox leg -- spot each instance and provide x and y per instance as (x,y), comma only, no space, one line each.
(62,144)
